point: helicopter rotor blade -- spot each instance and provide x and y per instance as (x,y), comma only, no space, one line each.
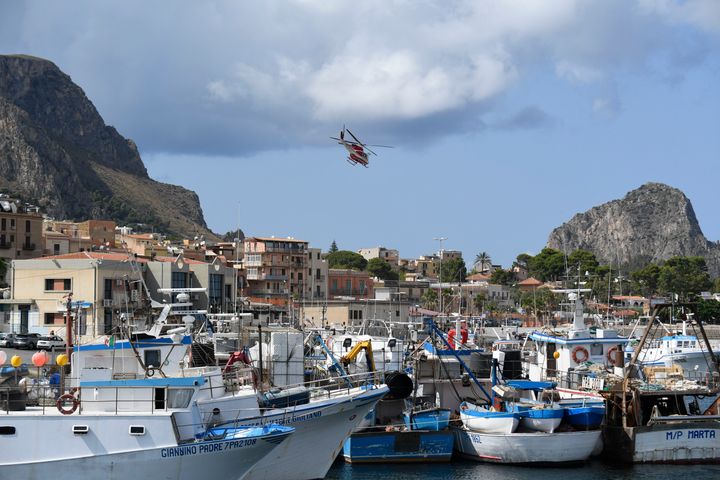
(353,136)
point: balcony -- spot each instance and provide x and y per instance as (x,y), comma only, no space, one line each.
(5,245)
(28,246)
(269,292)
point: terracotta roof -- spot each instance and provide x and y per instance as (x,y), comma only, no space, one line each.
(530,282)
(478,277)
(141,236)
(629,297)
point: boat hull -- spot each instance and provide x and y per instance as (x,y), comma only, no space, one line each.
(494,424)
(585,417)
(434,420)
(546,420)
(320,431)
(678,442)
(406,447)
(230,459)
(527,448)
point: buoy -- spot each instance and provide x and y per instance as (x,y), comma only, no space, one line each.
(61,359)
(39,359)
(556,354)
(16,361)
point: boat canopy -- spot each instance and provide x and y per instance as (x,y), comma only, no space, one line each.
(530,385)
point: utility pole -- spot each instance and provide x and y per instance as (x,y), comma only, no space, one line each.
(440,253)
(68,326)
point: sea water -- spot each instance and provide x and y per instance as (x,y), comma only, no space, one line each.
(468,470)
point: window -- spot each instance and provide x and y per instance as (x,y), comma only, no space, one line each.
(12,224)
(178,280)
(3,224)
(317,273)
(179,397)
(107,291)
(58,284)
(596,349)
(348,285)
(152,358)
(215,291)
(53,318)
(27,225)
(56,249)
(300,276)
(7,430)
(137,430)
(334,284)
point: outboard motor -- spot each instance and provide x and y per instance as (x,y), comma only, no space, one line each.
(399,384)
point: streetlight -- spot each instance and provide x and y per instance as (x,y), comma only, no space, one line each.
(441,240)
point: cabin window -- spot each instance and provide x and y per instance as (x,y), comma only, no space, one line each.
(152,358)
(80,429)
(179,397)
(159,399)
(596,349)
(7,430)
(137,430)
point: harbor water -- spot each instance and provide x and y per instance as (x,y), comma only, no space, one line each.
(467,470)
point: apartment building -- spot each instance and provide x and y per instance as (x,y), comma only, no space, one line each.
(103,286)
(389,255)
(275,269)
(20,230)
(317,266)
(87,235)
(344,312)
(349,283)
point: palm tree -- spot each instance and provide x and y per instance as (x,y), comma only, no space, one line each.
(483,259)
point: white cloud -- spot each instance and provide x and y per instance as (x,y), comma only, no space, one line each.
(225,77)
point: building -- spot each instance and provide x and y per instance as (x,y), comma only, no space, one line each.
(21,228)
(144,244)
(344,312)
(317,285)
(103,285)
(427,266)
(389,255)
(349,283)
(411,291)
(87,235)
(180,272)
(276,269)
(56,243)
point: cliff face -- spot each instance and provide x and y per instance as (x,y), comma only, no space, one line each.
(652,223)
(57,152)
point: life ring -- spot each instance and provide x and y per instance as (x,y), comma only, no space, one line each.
(150,372)
(612,356)
(584,355)
(63,401)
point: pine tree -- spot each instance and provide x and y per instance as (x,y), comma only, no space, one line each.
(333,247)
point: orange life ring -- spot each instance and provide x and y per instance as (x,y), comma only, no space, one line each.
(612,356)
(62,404)
(583,358)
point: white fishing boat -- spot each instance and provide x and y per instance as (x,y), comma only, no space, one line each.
(527,448)
(676,349)
(483,420)
(116,429)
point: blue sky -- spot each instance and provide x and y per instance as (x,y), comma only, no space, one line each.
(508,117)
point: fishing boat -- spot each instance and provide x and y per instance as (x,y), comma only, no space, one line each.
(117,428)
(654,417)
(583,414)
(527,448)
(484,420)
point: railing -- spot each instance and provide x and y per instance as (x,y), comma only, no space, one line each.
(5,245)
(28,246)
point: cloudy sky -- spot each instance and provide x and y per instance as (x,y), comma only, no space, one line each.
(507,117)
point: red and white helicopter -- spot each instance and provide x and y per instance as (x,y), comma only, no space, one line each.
(357,151)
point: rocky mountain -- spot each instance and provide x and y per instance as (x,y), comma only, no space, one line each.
(652,223)
(57,152)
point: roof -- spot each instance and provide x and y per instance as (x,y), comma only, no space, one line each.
(53,233)
(120,257)
(478,277)
(141,236)
(274,239)
(189,261)
(629,297)
(530,282)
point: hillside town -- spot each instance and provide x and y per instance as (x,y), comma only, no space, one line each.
(107,274)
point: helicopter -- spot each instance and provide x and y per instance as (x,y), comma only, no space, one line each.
(357,151)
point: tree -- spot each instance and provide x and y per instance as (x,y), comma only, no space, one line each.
(483,260)
(502,277)
(582,261)
(479,302)
(523,261)
(346,259)
(645,281)
(333,247)
(549,264)
(429,299)
(709,311)
(232,235)
(453,270)
(685,276)
(716,287)
(377,267)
